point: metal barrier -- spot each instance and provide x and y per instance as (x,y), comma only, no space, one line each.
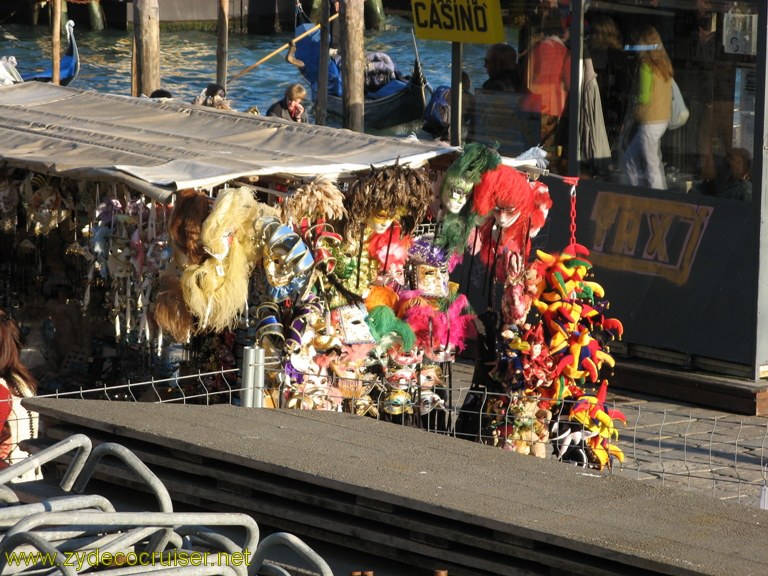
(81,533)
(725,457)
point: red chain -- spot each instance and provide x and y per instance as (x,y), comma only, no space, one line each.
(573,181)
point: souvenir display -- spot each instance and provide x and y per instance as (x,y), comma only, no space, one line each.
(349,285)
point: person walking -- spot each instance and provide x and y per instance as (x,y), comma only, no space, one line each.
(641,163)
(290,106)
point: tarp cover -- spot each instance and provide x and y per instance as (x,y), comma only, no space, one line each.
(160,147)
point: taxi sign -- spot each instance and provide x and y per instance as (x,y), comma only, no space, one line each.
(467,21)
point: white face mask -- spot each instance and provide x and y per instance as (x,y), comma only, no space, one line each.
(380,225)
(455,202)
(505,217)
(454,196)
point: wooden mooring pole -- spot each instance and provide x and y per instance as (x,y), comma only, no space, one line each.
(353,69)
(56,41)
(222,45)
(321,106)
(146,34)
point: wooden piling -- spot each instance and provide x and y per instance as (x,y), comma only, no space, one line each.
(353,65)
(321,106)
(222,44)
(146,32)
(63,15)
(56,41)
(96,15)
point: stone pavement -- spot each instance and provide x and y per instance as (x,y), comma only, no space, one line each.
(681,445)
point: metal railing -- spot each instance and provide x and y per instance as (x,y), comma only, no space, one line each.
(78,533)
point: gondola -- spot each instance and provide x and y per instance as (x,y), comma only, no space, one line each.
(70,63)
(399,101)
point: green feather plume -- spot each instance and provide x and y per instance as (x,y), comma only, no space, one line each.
(382,321)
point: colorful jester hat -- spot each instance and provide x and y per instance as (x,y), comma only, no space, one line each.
(599,428)
(456,193)
(576,330)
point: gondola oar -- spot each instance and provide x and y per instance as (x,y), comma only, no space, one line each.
(283,47)
(421,80)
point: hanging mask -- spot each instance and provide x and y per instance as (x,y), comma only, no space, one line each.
(380,221)
(430,401)
(430,377)
(441,354)
(455,192)
(9,201)
(401,379)
(505,217)
(402,358)
(398,402)
(354,329)
(287,260)
(432,281)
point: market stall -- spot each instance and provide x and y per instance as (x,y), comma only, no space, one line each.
(144,239)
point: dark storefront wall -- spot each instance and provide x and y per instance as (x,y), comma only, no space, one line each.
(679,271)
(680,267)
(682,271)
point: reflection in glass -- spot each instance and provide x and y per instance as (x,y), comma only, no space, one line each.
(712,47)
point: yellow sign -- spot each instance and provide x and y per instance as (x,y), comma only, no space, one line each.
(467,21)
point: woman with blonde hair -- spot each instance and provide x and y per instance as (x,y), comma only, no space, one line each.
(290,107)
(641,164)
(16,382)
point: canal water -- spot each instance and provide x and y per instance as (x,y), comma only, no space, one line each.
(188,61)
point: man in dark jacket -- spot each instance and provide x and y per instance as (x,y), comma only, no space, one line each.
(501,65)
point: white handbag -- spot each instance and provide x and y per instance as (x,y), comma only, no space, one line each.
(680,111)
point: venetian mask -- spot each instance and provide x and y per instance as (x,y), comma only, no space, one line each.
(401,379)
(430,377)
(354,328)
(454,193)
(441,354)
(402,358)
(398,402)
(380,221)
(505,217)
(432,281)
(286,256)
(430,401)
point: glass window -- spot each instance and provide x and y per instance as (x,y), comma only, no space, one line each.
(524,100)
(632,51)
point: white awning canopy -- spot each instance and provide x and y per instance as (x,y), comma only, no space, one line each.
(160,147)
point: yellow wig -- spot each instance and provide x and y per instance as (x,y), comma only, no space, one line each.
(216,291)
(170,311)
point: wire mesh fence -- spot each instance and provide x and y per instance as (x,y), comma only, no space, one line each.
(670,445)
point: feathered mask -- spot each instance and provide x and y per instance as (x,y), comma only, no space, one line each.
(392,190)
(191,209)
(317,200)
(465,173)
(503,187)
(382,321)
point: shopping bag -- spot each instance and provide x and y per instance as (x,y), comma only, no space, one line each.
(680,111)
